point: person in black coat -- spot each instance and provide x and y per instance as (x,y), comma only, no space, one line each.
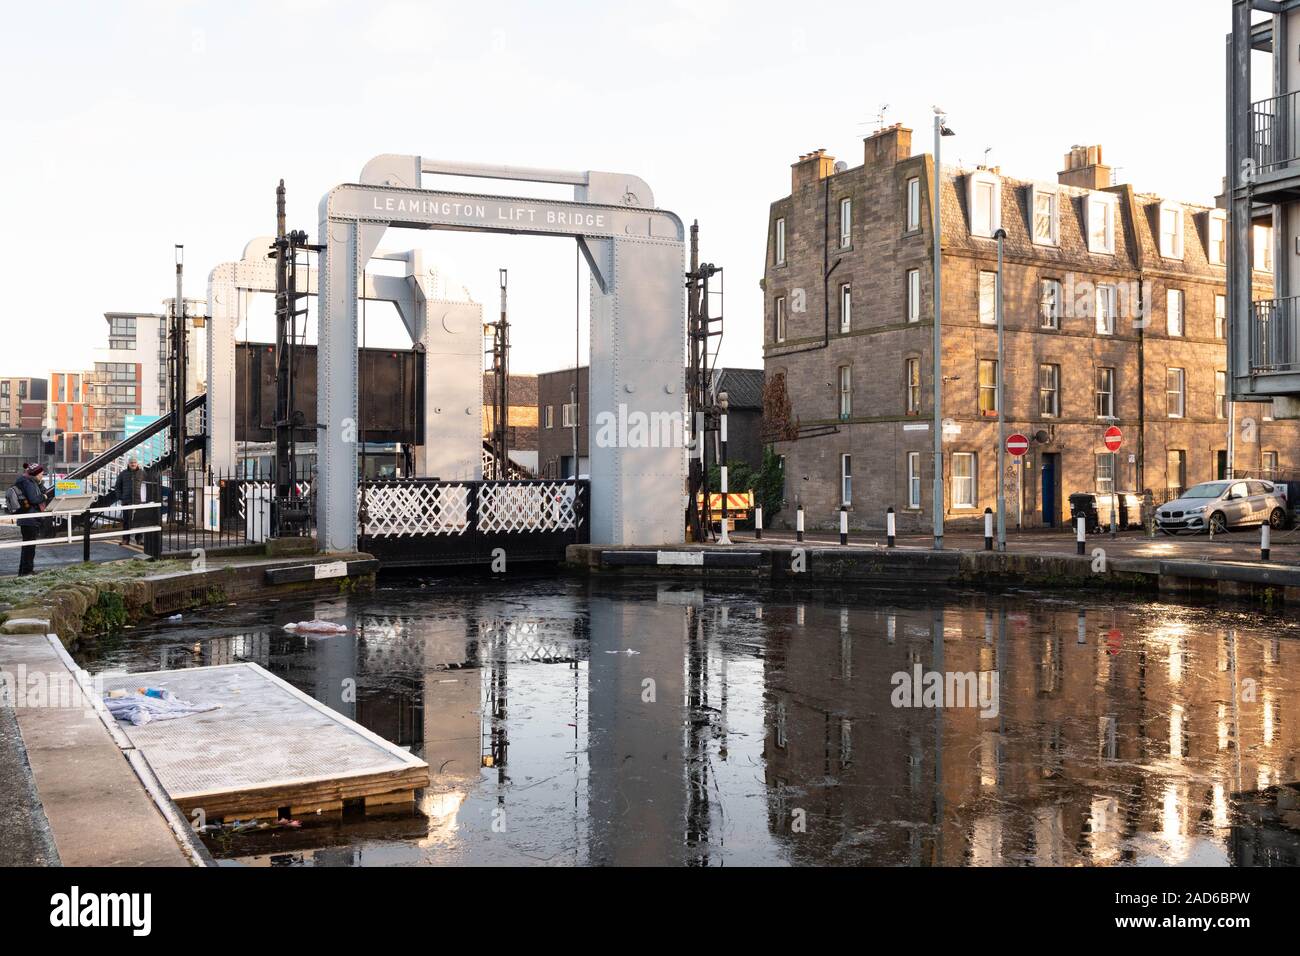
(127,492)
(33,498)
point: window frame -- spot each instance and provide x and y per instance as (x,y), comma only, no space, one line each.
(914,480)
(1053,393)
(846,222)
(912,189)
(1109,292)
(846,478)
(1108,206)
(1054,215)
(1181,392)
(975,183)
(778,253)
(1098,482)
(986,388)
(913,295)
(1109,393)
(1049,318)
(971,479)
(1221,395)
(1220,316)
(846,307)
(1216,249)
(1172,296)
(992,298)
(911,387)
(1171,213)
(778,319)
(844,392)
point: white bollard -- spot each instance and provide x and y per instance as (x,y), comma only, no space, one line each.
(798,524)
(1265,533)
(1080,533)
(889,528)
(758,523)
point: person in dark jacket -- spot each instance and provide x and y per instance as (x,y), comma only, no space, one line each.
(33,498)
(127,492)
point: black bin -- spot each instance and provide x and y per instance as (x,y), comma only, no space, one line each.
(1083,504)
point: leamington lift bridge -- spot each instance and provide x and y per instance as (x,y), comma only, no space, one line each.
(637,347)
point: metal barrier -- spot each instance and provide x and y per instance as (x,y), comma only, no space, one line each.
(421,521)
(85,535)
(1274,335)
(1273,141)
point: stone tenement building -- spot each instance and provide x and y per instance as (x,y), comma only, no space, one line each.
(1113,314)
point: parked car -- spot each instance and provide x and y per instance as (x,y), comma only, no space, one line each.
(1223,505)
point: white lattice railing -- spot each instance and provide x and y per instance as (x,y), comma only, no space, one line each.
(417,508)
(394,509)
(535,506)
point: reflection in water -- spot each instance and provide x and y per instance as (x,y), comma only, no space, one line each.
(572,723)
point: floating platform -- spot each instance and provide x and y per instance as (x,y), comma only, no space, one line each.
(267,750)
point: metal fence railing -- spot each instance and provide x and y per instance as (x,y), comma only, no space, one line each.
(1274,335)
(85,525)
(1273,141)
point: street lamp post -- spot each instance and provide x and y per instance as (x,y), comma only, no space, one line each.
(940,131)
(1000,235)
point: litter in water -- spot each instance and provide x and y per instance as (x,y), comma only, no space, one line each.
(316,627)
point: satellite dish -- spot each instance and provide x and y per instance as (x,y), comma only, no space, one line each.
(1042,437)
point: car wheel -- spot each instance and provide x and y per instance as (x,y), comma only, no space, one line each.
(1277,518)
(1218,523)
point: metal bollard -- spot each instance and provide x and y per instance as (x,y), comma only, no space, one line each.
(844,524)
(1080,533)
(85,535)
(1265,533)
(988,529)
(889,527)
(798,524)
(758,523)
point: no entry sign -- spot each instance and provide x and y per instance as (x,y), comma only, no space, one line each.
(1017,444)
(1113,438)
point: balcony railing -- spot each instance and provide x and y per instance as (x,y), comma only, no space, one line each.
(1275,335)
(1273,122)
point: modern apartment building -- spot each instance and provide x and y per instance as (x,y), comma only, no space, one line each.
(1114,313)
(69,419)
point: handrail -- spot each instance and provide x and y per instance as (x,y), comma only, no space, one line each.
(139,438)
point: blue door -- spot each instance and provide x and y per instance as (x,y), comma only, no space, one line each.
(1048,497)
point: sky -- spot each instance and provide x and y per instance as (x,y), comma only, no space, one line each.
(133,126)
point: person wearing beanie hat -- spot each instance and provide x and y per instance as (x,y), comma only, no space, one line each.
(32,496)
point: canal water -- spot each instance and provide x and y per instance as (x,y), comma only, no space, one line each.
(569,722)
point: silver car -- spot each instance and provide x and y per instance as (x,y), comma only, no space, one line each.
(1223,505)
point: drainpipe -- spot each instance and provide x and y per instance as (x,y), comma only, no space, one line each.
(827,269)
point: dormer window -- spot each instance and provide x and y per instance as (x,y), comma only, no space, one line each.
(984,197)
(1047,220)
(1171,231)
(1099,211)
(1217,230)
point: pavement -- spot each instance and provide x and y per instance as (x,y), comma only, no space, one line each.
(26,831)
(1236,546)
(93,809)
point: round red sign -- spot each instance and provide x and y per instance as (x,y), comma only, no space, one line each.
(1017,444)
(1113,438)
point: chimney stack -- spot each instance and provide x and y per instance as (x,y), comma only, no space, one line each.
(811,168)
(887,146)
(1084,168)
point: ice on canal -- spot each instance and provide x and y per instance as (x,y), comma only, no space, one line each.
(565,722)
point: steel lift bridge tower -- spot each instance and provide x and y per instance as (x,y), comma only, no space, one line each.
(635,253)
